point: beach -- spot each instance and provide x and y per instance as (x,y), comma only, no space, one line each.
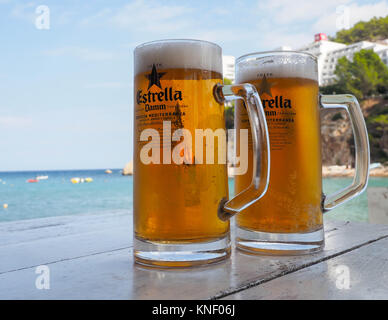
(345,171)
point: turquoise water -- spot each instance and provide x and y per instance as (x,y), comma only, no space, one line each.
(57,196)
(357,208)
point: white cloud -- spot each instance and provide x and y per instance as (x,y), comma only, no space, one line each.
(286,21)
(62,17)
(152,16)
(222,35)
(324,13)
(222,11)
(102,14)
(82,53)
(13,121)
(264,26)
(108,85)
(279,38)
(25,11)
(356,12)
(140,16)
(285,11)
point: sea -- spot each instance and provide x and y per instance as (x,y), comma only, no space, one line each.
(110,193)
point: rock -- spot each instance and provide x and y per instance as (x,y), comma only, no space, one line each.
(384,140)
(128,169)
(337,140)
(337,171)
(337,137)
(343,171)
(379,172)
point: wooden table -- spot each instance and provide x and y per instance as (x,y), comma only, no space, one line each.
(90,257)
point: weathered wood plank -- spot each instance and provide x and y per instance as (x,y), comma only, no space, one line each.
(51,227)
(112,275)
(367,268)
(378,205)
(29,243)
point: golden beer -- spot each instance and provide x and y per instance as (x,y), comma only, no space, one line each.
(293,199)
(181,200)
(178,202)
(288,219)
(176,196)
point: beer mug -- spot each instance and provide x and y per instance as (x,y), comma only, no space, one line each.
(289,218)
(181,212)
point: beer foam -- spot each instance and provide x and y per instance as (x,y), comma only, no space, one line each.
(278,64)
(176,54)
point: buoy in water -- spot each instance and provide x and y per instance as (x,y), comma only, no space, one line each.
(81,180)
(75,180)
(5,205)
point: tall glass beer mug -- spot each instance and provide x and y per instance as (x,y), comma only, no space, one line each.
(181,211)
(289,218)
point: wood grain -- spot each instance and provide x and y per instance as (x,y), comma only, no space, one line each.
(92,258)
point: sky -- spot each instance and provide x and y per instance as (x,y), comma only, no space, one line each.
(66,90)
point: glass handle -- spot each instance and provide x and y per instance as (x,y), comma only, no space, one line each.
(360,180)
(261,147)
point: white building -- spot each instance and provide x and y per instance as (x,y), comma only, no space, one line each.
(228,63)
(383,54)
(328,53)
(321,49)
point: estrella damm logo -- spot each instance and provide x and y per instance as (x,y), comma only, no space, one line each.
(163,95)
(274,102)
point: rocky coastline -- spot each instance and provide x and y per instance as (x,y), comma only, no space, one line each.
(327,171)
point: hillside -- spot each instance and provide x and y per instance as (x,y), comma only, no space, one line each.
(337,139)
(372,30)
(366,77)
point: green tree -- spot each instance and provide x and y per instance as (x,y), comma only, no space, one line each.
(372,30)
(227,81)
(364,76)
(229,109)
(229,117)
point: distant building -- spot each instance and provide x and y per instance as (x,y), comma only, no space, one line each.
(332,57)
(321,49)
(320,36)
(383,53)
(328,53)
(228,63)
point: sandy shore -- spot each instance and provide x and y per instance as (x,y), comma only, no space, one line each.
(339,171)
(342,171)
